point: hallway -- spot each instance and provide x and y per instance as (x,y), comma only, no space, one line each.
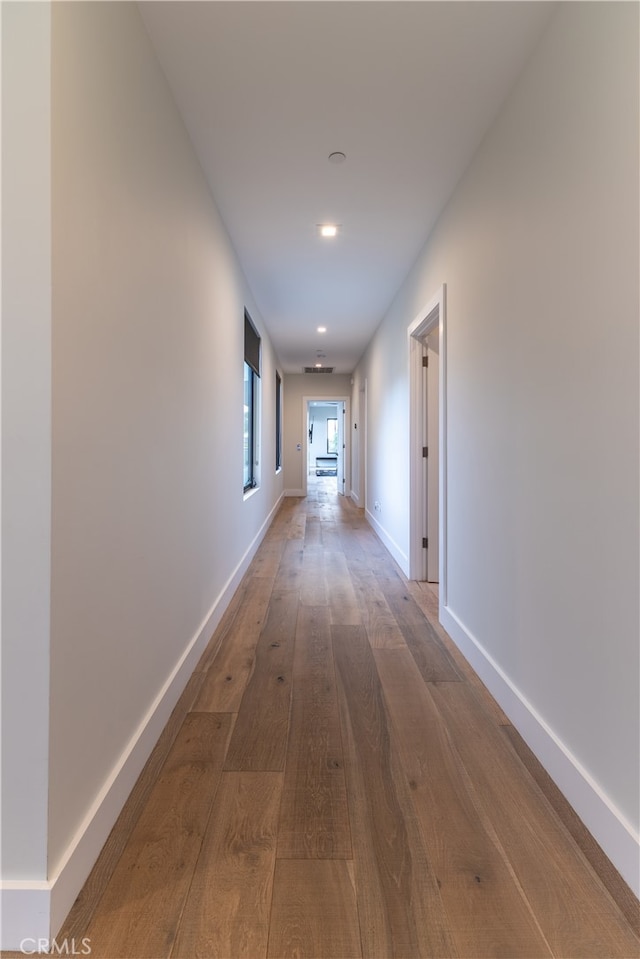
(335,782)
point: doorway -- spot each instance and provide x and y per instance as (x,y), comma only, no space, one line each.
(326,451)
(359,448)
(427,514)
(431,378)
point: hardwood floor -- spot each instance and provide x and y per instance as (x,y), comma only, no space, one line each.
(336,782)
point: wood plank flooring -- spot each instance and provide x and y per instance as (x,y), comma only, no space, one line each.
(336,782)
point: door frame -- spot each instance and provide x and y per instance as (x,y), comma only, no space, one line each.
(305,436)
(432,315)
(364,449)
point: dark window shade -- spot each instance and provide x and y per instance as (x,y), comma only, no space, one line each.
(251,345)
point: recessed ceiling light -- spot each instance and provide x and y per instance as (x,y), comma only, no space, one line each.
(322,329)
(318,366)
(337,157)
(328,229)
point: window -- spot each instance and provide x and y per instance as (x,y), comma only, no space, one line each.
(251,398)
(332,435)
(278,421)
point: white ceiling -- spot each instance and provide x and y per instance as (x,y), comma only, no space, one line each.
(268,90)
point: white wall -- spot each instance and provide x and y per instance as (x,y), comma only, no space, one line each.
(150,530)
(539,251)
(296,386)
(26,437)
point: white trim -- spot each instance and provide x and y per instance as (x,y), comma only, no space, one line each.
(609,827)
(38,909)
(400,557)
(354,496)
(433,313)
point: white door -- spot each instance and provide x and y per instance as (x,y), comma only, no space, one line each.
(433,462)
(341,448)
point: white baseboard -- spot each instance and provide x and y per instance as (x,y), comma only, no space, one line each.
(354,496)
(613,833)
(37,909)
(400,557)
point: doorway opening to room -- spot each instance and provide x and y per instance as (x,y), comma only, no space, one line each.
(428,474)
(326,448)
